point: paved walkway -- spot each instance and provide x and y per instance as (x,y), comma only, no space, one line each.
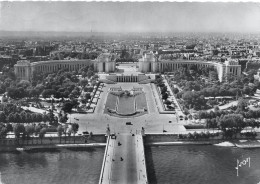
(102,101)
(125,162)
(157,98)
(234,103)
(178,110)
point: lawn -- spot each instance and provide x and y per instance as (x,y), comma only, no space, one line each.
(141,101)
(111,102)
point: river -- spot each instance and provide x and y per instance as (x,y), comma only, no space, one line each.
(166,165)
(201,165)
(58,167)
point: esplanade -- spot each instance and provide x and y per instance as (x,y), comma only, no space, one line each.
(149,63)
(105,62)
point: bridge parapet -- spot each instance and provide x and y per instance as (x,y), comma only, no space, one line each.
(140,160)
(103,178)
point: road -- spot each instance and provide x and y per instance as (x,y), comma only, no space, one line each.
(125,162)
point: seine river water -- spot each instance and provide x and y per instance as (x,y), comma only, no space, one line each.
(64,167)
(166,164)
(201,165)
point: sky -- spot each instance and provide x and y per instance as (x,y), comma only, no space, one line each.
(130,16)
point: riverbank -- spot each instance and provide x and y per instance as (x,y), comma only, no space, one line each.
(50,147)
(172,139)
(149,140)
(77,142)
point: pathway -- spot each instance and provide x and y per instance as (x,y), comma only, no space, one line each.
(234,103)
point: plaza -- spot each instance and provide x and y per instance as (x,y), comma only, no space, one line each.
(153,121)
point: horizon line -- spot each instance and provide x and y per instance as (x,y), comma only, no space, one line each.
(53,31)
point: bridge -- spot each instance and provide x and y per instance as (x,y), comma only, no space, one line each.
(124,160)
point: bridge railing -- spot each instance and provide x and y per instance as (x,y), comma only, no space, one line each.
(104,161)
(141,162)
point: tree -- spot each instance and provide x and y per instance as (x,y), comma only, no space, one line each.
(28,118)
(18,129)
(175,90)
(213,75)
(24,84)
(34,93)
(29,130)
(51,118)
(186,111)
(167,102)
(39,117)
(241,105)
(3,131)
(42,133)
(9,127)
(37,129)
(2,117)
(23,117)
(60,131)
(90,73)
(83,82)
(48,92)
(163,89)
(231,124)
(87,96)
(17,118)
(74,94)
(10,118)
(165,96)
(45,117)
(67,107)
(74,128)
(16,93)
(216,108)
(63,118)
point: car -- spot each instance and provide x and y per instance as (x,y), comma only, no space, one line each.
(128,123)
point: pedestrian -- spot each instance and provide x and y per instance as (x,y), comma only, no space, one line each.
(121,159)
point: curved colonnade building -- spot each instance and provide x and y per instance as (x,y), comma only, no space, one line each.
(24,69)
(148,63)
(106,63)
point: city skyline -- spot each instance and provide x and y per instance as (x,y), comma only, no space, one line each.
(129,17)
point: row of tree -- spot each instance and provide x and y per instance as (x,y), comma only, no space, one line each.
(26,131)
(231,124)
(163,88)
(28,117)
